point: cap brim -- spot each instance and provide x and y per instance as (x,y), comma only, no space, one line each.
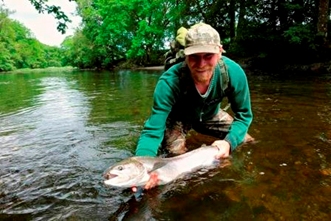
(214,49)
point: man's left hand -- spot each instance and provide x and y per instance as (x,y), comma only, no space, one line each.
(153,181)
(223,148)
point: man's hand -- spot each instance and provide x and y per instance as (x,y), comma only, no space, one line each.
(223,148)
(153,181)
(223,152)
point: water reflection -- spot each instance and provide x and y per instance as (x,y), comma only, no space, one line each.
(59,131)
(53,136)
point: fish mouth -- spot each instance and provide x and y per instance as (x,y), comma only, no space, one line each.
(109,176)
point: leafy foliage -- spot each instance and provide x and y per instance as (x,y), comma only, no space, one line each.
(139,31)
(19,49)
(60,16)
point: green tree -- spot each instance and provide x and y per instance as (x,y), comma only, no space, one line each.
(78,51)
(6,60)
(19,49)
(138,30)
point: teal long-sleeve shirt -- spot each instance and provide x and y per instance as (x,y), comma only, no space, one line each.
(177,96)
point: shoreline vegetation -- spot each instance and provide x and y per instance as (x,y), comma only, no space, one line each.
(246,63)
(274,67)
(291,39)
(40,70)
(251,64)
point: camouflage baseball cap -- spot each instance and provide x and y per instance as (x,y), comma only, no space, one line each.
(202,38)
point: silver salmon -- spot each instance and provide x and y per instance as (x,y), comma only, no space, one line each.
(134,171)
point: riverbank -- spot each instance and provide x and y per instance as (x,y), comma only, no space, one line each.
(39,70)
(251,64)
(152,68)
(272,66)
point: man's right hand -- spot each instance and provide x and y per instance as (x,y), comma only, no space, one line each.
(223,148)
(153,181)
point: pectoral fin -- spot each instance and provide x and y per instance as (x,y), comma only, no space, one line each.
(158,165)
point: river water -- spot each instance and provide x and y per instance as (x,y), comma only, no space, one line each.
(60,130)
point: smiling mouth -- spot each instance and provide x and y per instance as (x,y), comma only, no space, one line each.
(201,71)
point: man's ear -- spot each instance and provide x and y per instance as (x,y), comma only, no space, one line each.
(222,49)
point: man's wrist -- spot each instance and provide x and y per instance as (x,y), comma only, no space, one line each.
(220,144)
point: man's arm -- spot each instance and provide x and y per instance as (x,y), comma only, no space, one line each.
(239,98)
(153,132)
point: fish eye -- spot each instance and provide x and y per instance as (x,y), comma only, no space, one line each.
(120,168)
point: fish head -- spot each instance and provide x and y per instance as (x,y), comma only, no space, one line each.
(126,173)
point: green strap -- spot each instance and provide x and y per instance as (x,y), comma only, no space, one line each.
(225,81)
(225,75)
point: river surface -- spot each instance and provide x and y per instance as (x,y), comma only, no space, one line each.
(60,131)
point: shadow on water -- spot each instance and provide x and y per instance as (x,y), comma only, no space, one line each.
(60,131)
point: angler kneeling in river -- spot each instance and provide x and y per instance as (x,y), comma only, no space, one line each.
(189,95)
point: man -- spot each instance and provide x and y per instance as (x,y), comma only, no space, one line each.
(188,95)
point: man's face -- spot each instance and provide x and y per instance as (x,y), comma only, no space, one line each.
(202,66)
